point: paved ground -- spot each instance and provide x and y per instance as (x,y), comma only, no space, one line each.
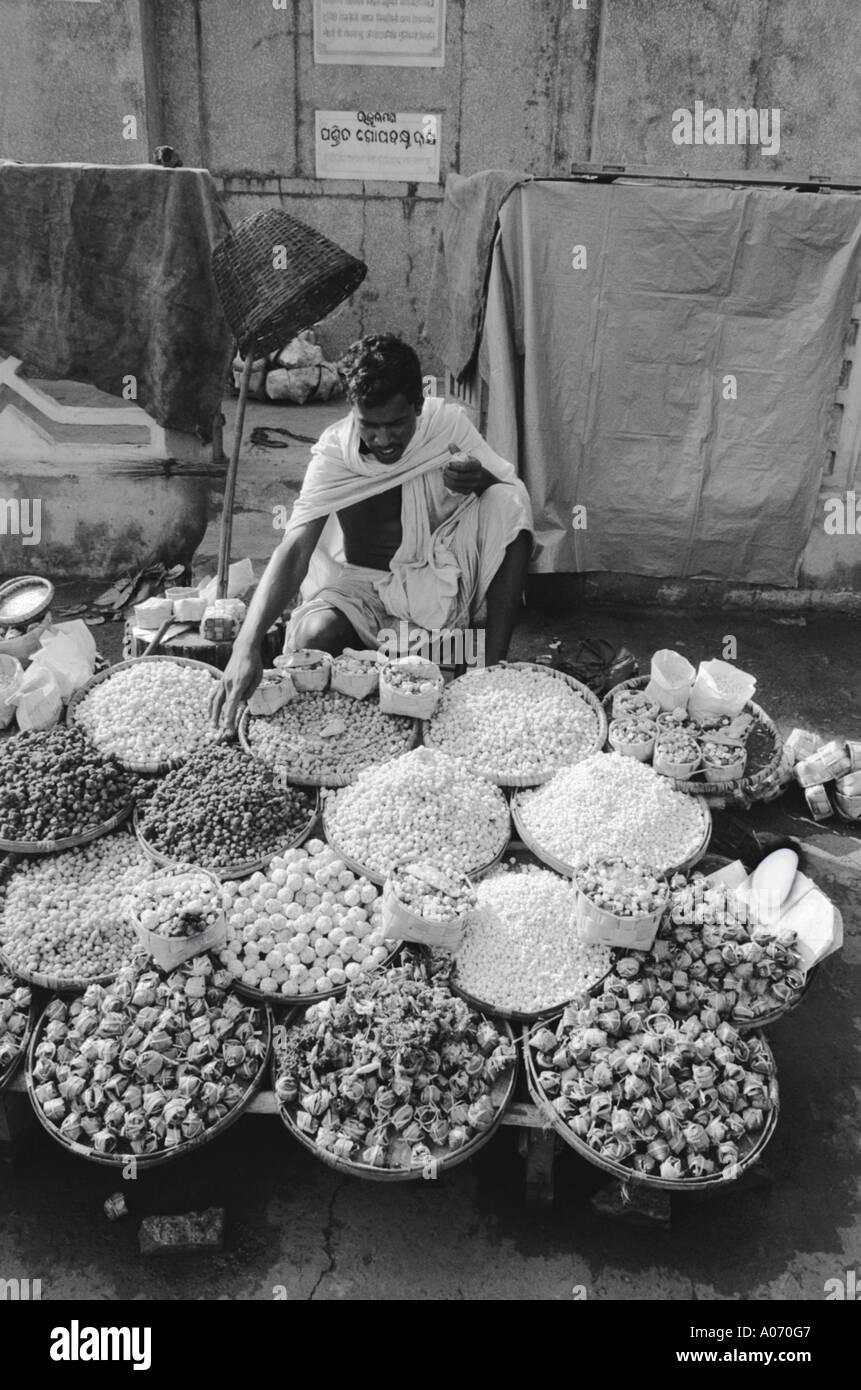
(296,1226)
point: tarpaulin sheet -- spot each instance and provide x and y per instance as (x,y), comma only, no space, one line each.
(105,274)
(610,384)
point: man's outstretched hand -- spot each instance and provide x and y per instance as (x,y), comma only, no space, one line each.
(465,474)
(240,680)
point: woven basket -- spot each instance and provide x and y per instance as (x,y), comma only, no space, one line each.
(328,779)
(621,1170)
(582,690)
(155,1160)
(70,841)
(8,1076)
(561,867)
(520,856)
(442,1158)
(709,864)
(379,879)
(57,984)
(36,592)
(753,786)
(153,769)
(230,870)
(265,306)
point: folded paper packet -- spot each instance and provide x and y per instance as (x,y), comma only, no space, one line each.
(806,911)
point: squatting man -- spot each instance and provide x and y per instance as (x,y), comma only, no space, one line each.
(405,514)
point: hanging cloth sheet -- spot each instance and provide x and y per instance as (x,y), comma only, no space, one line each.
(678,384)
(105,275)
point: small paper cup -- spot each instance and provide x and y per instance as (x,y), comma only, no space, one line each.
(725,772)
(634,704)
(641,750)
(669,764)
(308,669)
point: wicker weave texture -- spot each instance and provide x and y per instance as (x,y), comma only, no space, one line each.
(270,294)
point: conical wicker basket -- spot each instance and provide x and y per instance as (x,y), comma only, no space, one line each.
(276,276)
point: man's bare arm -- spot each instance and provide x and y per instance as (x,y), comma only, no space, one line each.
(281,579)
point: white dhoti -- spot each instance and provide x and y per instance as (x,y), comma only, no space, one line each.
(451,546)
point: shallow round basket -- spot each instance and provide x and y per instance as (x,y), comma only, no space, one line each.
(589,698)
(520,856)
(547,857)
(329,779)
(24,600)
(378,878)
(149,769)
(119,1160)
(7,1076)
(627,1174)
(57,984)
(229,870)
(753,786)
(442,1158)
(515,1015)
(743,1026)
(69,841)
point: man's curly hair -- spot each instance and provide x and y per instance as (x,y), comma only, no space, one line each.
(380,366)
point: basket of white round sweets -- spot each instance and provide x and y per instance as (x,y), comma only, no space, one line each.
(179,914)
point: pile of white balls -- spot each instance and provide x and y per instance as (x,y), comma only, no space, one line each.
(320,735)
(612,807)
(152,712)
(305,926)
(65,915)
(511,723)
(422,805)
(521,950)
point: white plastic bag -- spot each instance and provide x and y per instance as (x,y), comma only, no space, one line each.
(240,578)
(11,675)
(38,702)
(671,680)
(69,657)
(720,689)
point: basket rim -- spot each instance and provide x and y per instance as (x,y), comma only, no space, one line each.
(444,1158)
(71,841)
(743,785)
(568,870)
(335,780)
(589,697)
(26,581)
(8,1076)
(56,984)
(380,878)
(153,1160)
(618,1169)
(146,769)
(745,1026)
(230,871)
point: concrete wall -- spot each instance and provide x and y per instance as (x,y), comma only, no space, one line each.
(69,76)
(239,89)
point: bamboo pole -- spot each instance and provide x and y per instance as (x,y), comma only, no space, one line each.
(230,481)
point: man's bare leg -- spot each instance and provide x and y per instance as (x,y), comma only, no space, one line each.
(327,631)
(505,596)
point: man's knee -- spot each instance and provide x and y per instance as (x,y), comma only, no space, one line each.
(325,630)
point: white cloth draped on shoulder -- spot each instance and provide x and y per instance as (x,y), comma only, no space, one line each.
(451,546)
